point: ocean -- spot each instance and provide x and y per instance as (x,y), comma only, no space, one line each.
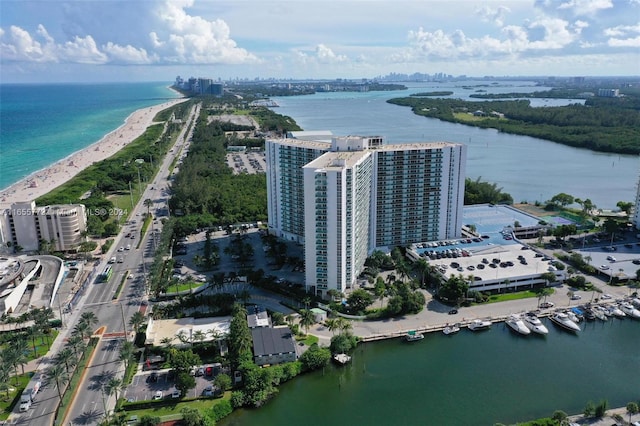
(44,123)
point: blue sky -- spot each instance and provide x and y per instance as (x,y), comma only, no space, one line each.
(149,40)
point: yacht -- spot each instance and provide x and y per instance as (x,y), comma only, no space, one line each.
(534,324)
(451,329)
(629,310)
(477,325)
(516,323)
(412,336)
(561,319)
(600,313)
(615,311)
(572,316)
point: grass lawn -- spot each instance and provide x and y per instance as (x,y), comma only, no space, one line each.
(307,340)
(184,287)
(512,296)
(167,410)
(16,386)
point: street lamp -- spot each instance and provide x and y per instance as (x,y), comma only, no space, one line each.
(139,161)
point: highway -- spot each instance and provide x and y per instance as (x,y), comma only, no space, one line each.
(113,314)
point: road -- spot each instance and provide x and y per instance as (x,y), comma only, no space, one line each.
(113,313)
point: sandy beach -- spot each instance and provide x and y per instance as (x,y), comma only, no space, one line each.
(45,180)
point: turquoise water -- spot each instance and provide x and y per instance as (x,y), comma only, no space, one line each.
(467,379)
(41,124)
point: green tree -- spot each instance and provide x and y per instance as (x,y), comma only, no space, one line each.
(126,354)
(65,357)
(307,319)
(632,408)
(559,416)
(136,321)
(562,199)
(57,375)
(454,289)
(148,420)
(148,203)
(183,360)
(343,343)
(114,386)
(315,357)
(185,382)
(359,300)
(223,381)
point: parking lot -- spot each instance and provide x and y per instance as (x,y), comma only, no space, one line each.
(146,385)
(247,162)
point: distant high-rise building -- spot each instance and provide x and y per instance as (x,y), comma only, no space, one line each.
(345,198)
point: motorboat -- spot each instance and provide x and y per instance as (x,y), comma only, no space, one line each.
(615,311)
(589,314)
(516,323)
(412,336)
(477,325)
(572,316)
(451,329)
(534,324)
(578,313)
(599,313)
(562,320)
(629,310)
(635,302)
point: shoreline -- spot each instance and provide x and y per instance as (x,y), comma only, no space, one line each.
(43,181)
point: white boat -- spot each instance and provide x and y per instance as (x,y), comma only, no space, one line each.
(636,302)
(412,336)
(477,325)
(516,323)
(534,324)
(341,358)
(451,329)
(572,316)
(628,309)
(616,311)
(561,319)
(600,313)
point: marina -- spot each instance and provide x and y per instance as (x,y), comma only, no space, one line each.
(563,371)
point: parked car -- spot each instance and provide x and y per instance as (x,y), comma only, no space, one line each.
(175,394)
(158,395)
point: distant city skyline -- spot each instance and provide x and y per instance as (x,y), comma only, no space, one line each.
(100,41)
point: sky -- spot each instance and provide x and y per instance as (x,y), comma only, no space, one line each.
(154,40)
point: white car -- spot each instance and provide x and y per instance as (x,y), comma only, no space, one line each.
(604,267)
(158,395)
(611,258)
(175,394)
(605,296)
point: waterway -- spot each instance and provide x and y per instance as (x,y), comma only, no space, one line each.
(529,169)
(467,379)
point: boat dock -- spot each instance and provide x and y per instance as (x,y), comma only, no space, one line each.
(464,323)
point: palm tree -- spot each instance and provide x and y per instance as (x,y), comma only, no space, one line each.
(89,317)
(307,301)
(136,320)
(167,341)
(199,336)
(306,319)
(59,376)
(332,324)
(632,408)
(127,351)
(82,329)
(148,203)
(76,343)
(65,357)
(344,325)
(5,377)
(543,293)
(33,332)
(422,267)
(113,386)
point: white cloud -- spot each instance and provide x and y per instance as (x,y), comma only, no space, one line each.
(629,42)
(128,54)
(496,16)
(586,7)
(622,30)
(195,40)
(326,55)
